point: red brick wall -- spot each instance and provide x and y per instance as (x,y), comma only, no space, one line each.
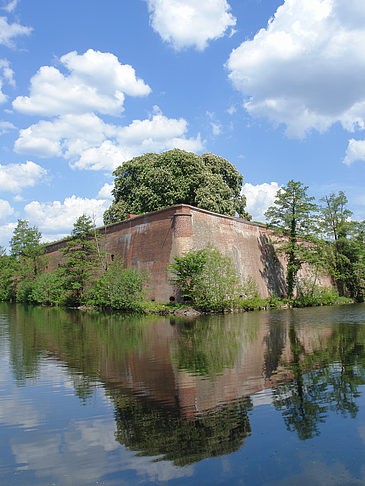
(152,240)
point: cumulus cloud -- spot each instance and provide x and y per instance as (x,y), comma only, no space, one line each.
(355,151)
(106,192)
(6,232)
(62,215)
(96,82)
(259,197)
(89,143)
(188,23)
(15,177)
(9,31)
(5,209)
(306,69)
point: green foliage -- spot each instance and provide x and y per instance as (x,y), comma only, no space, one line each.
(8,269)
(119,288)
(48,288)
(343,240)
(252,304)
(207,278)
(155,181)
(25,246)
(81,259)
(24,290)
(25,240)
(310,294)
(291,216)
(249,289)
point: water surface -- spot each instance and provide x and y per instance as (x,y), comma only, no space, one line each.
(266,398)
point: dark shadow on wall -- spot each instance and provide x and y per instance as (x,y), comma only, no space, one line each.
(273,271)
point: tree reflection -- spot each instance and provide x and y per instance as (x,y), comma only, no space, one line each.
(320,368)
(208,345)
(156,432)
(324,380)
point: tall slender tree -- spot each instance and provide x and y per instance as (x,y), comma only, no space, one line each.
(81,258)
(25,244)
(291,216)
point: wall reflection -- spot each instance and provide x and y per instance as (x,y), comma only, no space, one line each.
(181,390)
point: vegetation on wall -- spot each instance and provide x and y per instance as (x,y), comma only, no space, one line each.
(323,236)
(207,279)
(155,181)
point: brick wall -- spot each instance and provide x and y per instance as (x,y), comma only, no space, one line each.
(152,240)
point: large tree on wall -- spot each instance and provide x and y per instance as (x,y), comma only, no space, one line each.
(155,181)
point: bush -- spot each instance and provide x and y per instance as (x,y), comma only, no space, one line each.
(309,294)
(207,278)
(48,288)
(119,288)
(24,290)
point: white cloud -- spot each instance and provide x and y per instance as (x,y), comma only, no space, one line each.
(62,215)
(231,110)
(6,232)
(89,143)
(5,209)
(355,151)
(96,82)
(9,31)
(7,74)
(307,68)
(259,197)
(6,127)
(15,177)
(106,192)
(11,5)
(188,23)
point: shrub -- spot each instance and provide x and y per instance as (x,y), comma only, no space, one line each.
(48,288)
(207,278)
(119,288)
(309,293)
(24,290)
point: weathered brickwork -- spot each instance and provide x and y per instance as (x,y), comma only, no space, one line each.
(151,242)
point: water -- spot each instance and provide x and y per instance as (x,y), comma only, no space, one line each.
(266,398)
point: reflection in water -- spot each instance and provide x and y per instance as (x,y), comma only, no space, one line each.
(181,390)
(326,379)
(156,432)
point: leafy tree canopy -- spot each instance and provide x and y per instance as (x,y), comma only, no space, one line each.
(25,240)
(155,181)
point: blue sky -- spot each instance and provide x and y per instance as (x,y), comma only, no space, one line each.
(276,87)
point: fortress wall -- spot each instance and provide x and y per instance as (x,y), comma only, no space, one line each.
(151,242)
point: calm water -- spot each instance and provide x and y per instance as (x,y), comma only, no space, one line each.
(268,398)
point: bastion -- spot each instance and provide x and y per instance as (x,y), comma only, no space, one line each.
(150,242)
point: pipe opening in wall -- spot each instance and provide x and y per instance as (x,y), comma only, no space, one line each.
(172,298)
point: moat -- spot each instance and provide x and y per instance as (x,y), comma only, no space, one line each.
(261,398)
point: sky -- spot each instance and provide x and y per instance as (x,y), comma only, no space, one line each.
(277,87)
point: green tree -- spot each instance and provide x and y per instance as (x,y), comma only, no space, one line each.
(25,245)
(291,216)
(8,270)
(81,259)
(154,181)
(207,278)
(344,243)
